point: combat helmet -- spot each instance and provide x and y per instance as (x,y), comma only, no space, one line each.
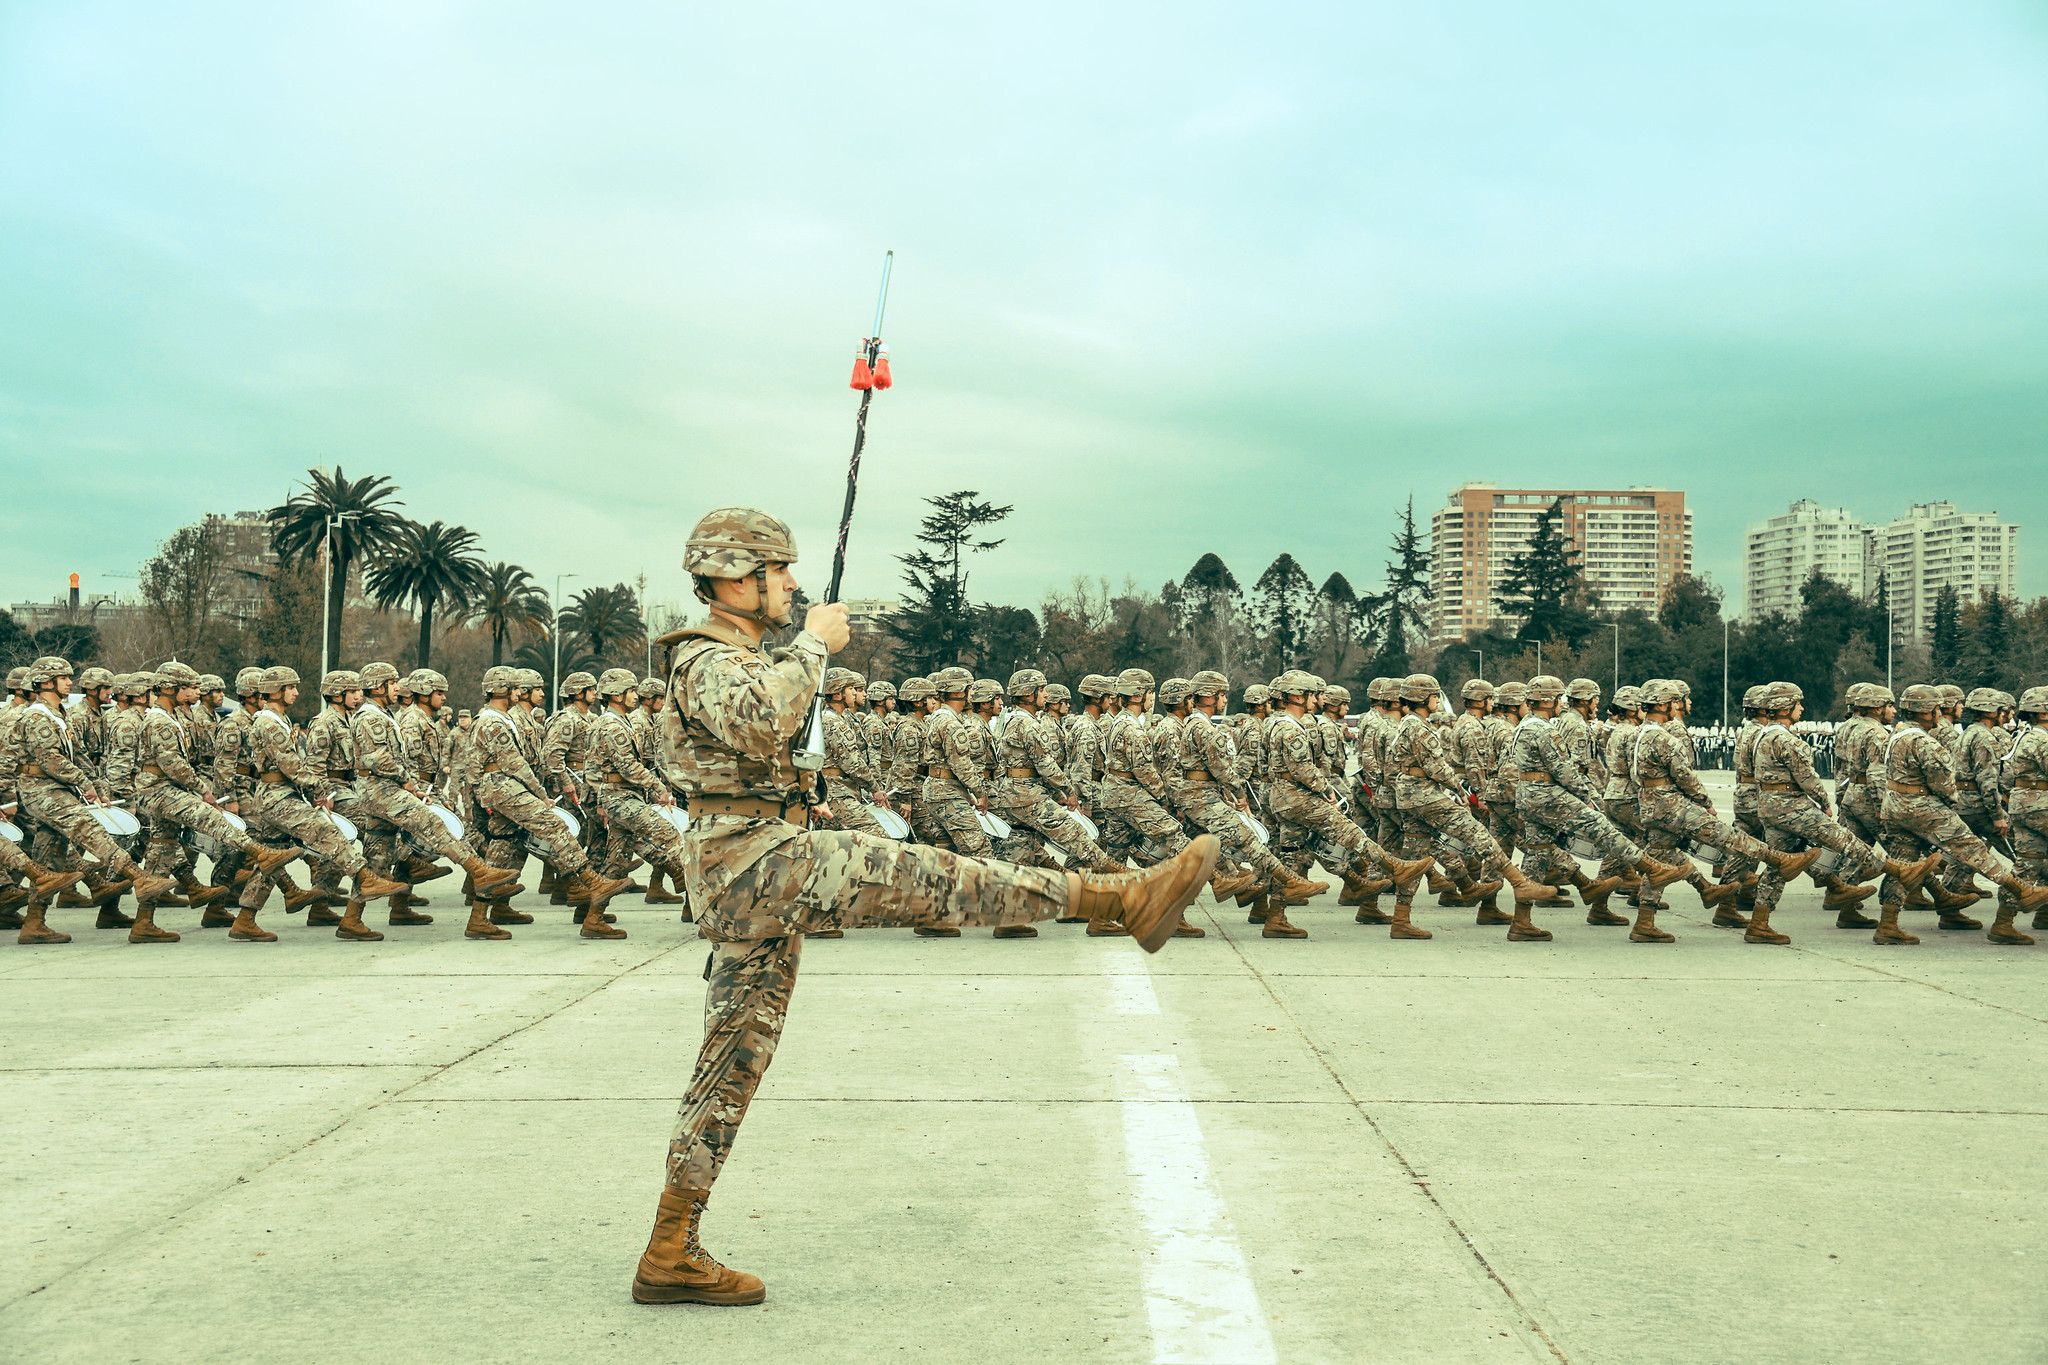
(949,682)
(276,679)
(2033,701)
(378,675)
(1783,696)
(338,681)
(1583,689)
(1659,692)
(1025,682)
(499,679)
(1511,694)
(94,678)
(982,691)
(246,681)
(651,686)
(738,542)
(837,680)
(1095,685)
(172,675)
(1985,700)
(17,679)
(1257,694)
(1753,698)
(211,682)
(1951,695)
(526,679)
(576,684)
(47,670)
(616,682)
(1628,697)
(914,690)
(1383,689)
(1053,692)
(1920,699)
(1172,693)
(881,689)
(1133,682)
(1547,687)
(1207,683)
(1334,694)
(1419,687)
(1476,689)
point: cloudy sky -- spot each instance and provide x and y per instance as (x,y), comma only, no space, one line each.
(1170,279)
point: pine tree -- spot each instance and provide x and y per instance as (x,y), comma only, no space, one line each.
(1282,606)
(936,626)
(1946,647)
(1544,586)
(1404,605)
(1986,652)
(1337,619)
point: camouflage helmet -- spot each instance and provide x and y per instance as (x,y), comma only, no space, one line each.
(1292,681)
(1753,698)
(95,677)
(1477,689)
(426,680)
(46,670)
(577,683)
(132,685)
(1783,696)
(881,689)
(1920,699)
(527,678)
(948,681)
(1316,682)
(1419,687)
(1258,694)
(1628,697)
(651,686)
(1133,682)
(377,675)
(246,681)
(1095,685)
(837,680)
(1207,683)
(499,679)
(1684,688)
(1857,695)
(1025,682)
(1659,692)
(616,682)
(1546,687)
(1511,694)
(401,686)
(276,679)
(338,681)
(172,675)
(1173,692)
(733,542)
(1383,689)
(982,691)
(1986,700)
(915,690)
(1880,695)
(1338,695)
(1053,692)
(1951,695)
(2033,701)
(17,679)
(1583,689)
(212,682)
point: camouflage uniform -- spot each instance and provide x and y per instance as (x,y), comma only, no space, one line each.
(1128,802)
(1919,805)
(331,764)
(906,761)
(1619,798)
(1859,742)
(1674,806)
(1301,794)
(849,771)
(1431,795)
(1373,733)
(1031,784)
(1793,805)
(957,769)
(1977,758)
(280,800)
(52,785)
(1553,795)
(2026,788)
(1503,819)
(508,788)
(629,790)
(383,769)
(1212,787)
(171,792)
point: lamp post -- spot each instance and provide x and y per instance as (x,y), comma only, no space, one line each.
(1891,633)
(1724,673)
(1482,663)
(327,582)
(1617,657)
(555,629)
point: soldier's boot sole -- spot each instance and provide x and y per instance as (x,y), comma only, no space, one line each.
(1279,927)
(480,926)
(1013,931)
(2007,936)
(1853,918)
(1893,936)
(1601,916)
(658,896)
(246,930)
(34,933)
(110,917)
(948,931)
(1096,929)
(596,927)
(501,913)
(417,872)
(1765,934)
(403,918)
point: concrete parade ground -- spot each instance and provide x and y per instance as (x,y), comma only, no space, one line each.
(1346,1149)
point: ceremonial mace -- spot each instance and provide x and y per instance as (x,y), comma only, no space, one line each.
(870,372)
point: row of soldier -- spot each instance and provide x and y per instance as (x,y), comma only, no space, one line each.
(247,785)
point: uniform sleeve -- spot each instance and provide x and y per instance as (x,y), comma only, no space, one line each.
(160,747)
(1982,754)
(499,744)
(1038,748)
(376,747)
(1137,756)
(43,741)
(554,747)
(846,750)
(907,745)
(1937,773)
(962,760)
(1292,756)
(1437,765)
(1564,768)
(1798,760)
(751,704)
(616,753)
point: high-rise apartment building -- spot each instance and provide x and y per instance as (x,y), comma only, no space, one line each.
(1781,552)
(1934,546)
(1631,542)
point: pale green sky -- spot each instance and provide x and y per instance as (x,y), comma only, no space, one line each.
(1170,278)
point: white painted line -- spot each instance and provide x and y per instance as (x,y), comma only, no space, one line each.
(1130,983)
(1198,1291)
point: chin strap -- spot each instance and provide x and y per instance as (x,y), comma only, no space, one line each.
(754,614)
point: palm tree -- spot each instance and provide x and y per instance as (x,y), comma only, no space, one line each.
(431,566)
(368,527)
(508,601)
(604,620)
(538,654)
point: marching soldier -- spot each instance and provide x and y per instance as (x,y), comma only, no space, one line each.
(849,775)
(331,762)
(761,882)
(1620,802)
(1035,792)
(1213,794)
(1977,756)
(1669,796)
(1468,748)
(2026,789)
(647,728)
(564,756)
(906,764)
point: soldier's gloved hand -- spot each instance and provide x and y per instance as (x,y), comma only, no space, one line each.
(827,621)
(981,804)
(882,801)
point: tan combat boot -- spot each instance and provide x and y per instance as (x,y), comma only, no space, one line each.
(1713,894)
(953,931)
(1474,893)
(150,884)
(1369,912)
(303,898)
(480,925)
(198,893)
(1438,883)
(1760,930)
(373,885)
(1403,873)
(269,861)
(35,928)
(1277,926)
(216,917)
(1299,890)
(43,883)
(419,870)
(1596,902)
(1261,908)
(1790,865)
(657,894)
(1001,931)
(350,925)
(588,887)
(1658,875)
(677,1269)
(110,914)
(145,930)
(501,912)
(1522,929)
(1147,903)
(1888,930)
(1491,913)
(1735,914)
(1843,899)
(2003,931)
(322,914)
(597,924)
(245,930)
(2030,897)
(1911,875)
(547,881)
(1527,892)
(1646,930)
(1225,885)
(402,911)
(500,883)
(1401,926)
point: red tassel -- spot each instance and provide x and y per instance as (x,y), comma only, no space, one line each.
(863,378)
(882,377)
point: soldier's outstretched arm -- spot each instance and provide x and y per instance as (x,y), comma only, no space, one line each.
(751,703)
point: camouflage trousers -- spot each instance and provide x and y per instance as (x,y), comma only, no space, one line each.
(515,809)
(636,821)
(1793,822)
(1504,823)
(2030,835)
(849,810)
(13,861)
(823,879)
(1670,815)
(1977,819)
(1129,816)
(1305,819)
(1733,865)
(1036,820)
(382,808)
(1204,804)
(949,811)
(169,808)
(1551,816)
(1862,812)
(282,812)
(1915,826)
(60,812)
(1446,825)
(1625,813)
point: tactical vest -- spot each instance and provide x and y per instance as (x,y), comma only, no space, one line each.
(704,764)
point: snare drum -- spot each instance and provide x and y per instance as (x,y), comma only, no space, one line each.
(450,821)
(1087,826)
(1579,846)
(992,824)
(343,826)
(893,825)
(677,815)
(569,818)
(1257,827)
(1825,864)
(121,824)
(10,831)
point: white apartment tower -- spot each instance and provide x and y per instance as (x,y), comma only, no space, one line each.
(1933,546)
(1781,552)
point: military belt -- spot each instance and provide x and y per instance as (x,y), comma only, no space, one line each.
(943,774)
(1907,789)
(833,772)
(1510,775)
(1745,782)
(1534,777)
(1654,782)
(271,779)
(745,807)
(1198,775)
(1416,772)
(1020,772)
(492,768)
(612,780)
(341,774)
(2031,784)
(1775,787)
(149,768)
(33,770)
(245,769)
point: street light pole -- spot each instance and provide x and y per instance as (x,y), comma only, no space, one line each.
(1482,663)
(1617,657)
(1724,673)
(327,584)
(1891,633)
(555,629)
